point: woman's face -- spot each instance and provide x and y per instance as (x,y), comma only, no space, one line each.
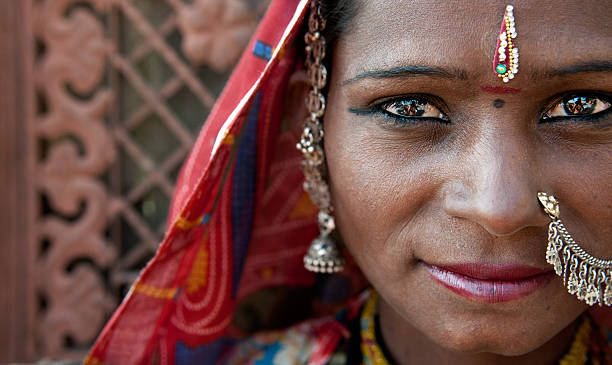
(454,189)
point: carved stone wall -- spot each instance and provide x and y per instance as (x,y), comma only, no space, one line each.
(119,90)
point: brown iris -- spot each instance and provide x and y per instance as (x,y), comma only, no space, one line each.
(408,108)
(580,105)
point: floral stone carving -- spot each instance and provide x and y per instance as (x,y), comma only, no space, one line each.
(216,31)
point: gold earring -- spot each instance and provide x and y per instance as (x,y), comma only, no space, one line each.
(585,276)
(323,256)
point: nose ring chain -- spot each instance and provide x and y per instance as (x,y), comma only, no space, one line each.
(587,277)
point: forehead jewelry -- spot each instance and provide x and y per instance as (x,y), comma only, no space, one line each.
(585,276)
(506,60)
(323,255)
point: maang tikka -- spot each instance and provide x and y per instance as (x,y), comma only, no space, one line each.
(323,256)
(506,60)
(585,276)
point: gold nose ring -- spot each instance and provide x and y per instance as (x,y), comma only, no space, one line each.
(585,276)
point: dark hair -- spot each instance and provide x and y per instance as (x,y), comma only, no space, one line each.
(339,15)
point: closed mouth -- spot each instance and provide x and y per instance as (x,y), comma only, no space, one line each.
(490,283)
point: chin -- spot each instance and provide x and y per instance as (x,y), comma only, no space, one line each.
(474,340)
(467,326)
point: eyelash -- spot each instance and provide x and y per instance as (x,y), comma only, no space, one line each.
(381,109)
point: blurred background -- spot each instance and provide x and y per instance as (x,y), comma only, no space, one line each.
(100,102)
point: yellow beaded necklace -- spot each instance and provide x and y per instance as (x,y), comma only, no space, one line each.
(373,355)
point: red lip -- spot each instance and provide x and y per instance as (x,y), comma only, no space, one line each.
(492,283)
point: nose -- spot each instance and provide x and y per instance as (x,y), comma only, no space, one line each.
(496,185)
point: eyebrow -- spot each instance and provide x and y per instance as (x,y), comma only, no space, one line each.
(417,70)
(592,66)
(408,71)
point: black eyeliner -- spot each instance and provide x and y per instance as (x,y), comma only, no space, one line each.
(362,112)
(378,109)
(593,119)
(589,118)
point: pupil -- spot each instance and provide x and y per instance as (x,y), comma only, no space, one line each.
(580,105)
(413,108)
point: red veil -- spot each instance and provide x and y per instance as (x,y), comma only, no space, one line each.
(239,219)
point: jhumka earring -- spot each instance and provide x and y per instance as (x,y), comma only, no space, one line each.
(323,256)
(506,60)
(585,276)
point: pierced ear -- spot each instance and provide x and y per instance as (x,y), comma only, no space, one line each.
(295,102)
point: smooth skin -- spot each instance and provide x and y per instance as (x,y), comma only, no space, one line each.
(462,188)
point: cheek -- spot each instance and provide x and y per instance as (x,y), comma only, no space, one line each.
(584,187)
(381,188)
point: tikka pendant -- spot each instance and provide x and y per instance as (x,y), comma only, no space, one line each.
(506,59)
(588,277)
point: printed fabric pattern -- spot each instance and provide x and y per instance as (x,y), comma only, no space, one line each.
(237,204)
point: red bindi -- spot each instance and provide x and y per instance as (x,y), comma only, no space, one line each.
(499,89)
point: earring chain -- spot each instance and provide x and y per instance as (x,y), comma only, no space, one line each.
(323,255)
(311,141)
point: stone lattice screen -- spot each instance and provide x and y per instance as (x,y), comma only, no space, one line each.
(120,89)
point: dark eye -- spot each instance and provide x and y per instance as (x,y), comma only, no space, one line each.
(412,108)
(578,106)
